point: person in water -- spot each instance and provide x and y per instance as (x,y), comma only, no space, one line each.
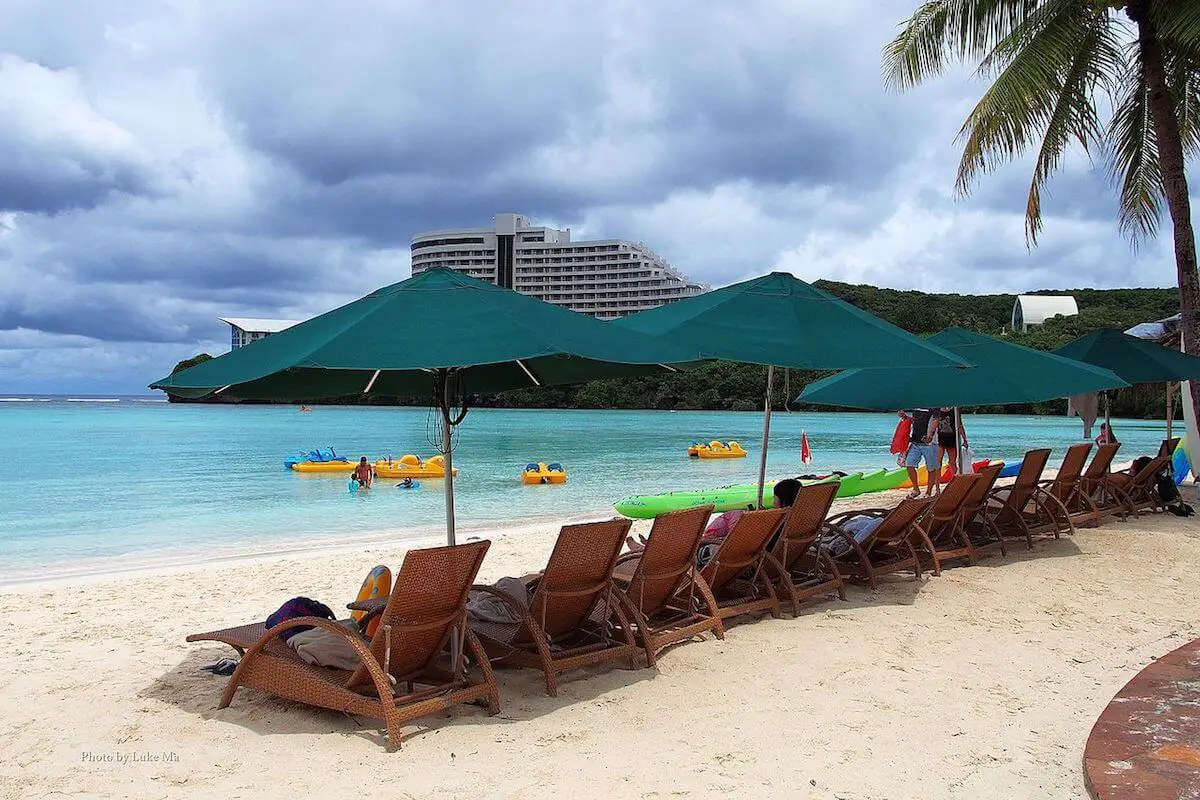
(783,495)
(922,447)
(364,473)
(407,483)
(1106,434)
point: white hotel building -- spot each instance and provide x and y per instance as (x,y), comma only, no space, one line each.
(607,278)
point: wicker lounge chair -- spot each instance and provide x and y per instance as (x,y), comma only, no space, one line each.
(406,670)
(1009,505)
(888,548)
(1138,492)
(737,575)
(574,618)
(977,520)
(1057,494)
(1094,499)
(941,531)
(663,601)
(805,569)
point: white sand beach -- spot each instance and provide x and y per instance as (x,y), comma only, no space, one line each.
(981,683)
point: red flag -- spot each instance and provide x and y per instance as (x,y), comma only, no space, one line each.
(805,453)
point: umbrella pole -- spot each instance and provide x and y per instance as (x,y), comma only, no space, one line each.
(443,401)
(446,448)
(762,461)
(958,437)
(1170,410)
(1108,437)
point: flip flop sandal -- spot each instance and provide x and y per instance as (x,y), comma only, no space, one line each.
(225,666)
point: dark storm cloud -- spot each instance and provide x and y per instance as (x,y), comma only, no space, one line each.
(171,162)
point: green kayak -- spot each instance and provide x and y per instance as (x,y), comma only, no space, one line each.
(849,486)
(877,481)
(725,498)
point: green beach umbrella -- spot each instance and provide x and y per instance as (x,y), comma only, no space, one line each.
(438,332)
(1004,373)
(1135,360)
(780,321)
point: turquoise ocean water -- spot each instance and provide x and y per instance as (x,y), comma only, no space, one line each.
(122,481)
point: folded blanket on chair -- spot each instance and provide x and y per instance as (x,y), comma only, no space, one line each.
(325,648)
(484,607)
(860,528)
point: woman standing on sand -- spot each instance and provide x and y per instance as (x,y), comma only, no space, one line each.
(948,434)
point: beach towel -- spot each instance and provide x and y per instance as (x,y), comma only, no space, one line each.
(1087,408)
(484,607)
(860,528)
(325,648)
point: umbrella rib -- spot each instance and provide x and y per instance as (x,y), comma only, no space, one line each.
(527,371)
(371,382)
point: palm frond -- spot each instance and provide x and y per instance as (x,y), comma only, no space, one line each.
(1045,91)
(1133,158)
(1183,80)
(1074,116)
(945,31)
(1177,23)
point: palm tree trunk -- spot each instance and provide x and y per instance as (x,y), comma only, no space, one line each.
(1171,165)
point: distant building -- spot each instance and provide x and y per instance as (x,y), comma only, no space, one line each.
(245,330)
(605,278)
(1035,309)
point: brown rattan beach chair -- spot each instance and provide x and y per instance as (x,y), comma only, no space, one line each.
(664,602)
(1010,506)
(1058,493)
(805,569)
(941,531)
(737,575)
(574,618)
(415,665)
(1094,499)
(977,520)
(1139,492)
(889,546)
(1167,448)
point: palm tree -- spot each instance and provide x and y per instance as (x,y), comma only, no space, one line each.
(1121,78)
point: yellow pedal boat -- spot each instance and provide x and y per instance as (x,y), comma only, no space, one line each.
(542,472)
(409,466)
(715,449)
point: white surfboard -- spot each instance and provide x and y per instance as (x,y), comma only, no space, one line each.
(1192,442)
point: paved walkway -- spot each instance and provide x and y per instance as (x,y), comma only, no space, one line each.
(1146,744)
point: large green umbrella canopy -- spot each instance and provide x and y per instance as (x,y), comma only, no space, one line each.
(440,333)
(1135,360)
(391,341)
(781,321)
(1004,373)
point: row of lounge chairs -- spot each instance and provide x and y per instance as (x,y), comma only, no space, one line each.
(593,604)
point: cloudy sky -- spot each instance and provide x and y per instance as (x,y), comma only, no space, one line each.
(166,162)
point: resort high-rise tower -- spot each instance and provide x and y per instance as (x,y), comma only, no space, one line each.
(605,278)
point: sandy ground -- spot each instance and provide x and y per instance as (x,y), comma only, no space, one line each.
(983,683)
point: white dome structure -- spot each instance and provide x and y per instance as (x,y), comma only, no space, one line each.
(1034,309)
